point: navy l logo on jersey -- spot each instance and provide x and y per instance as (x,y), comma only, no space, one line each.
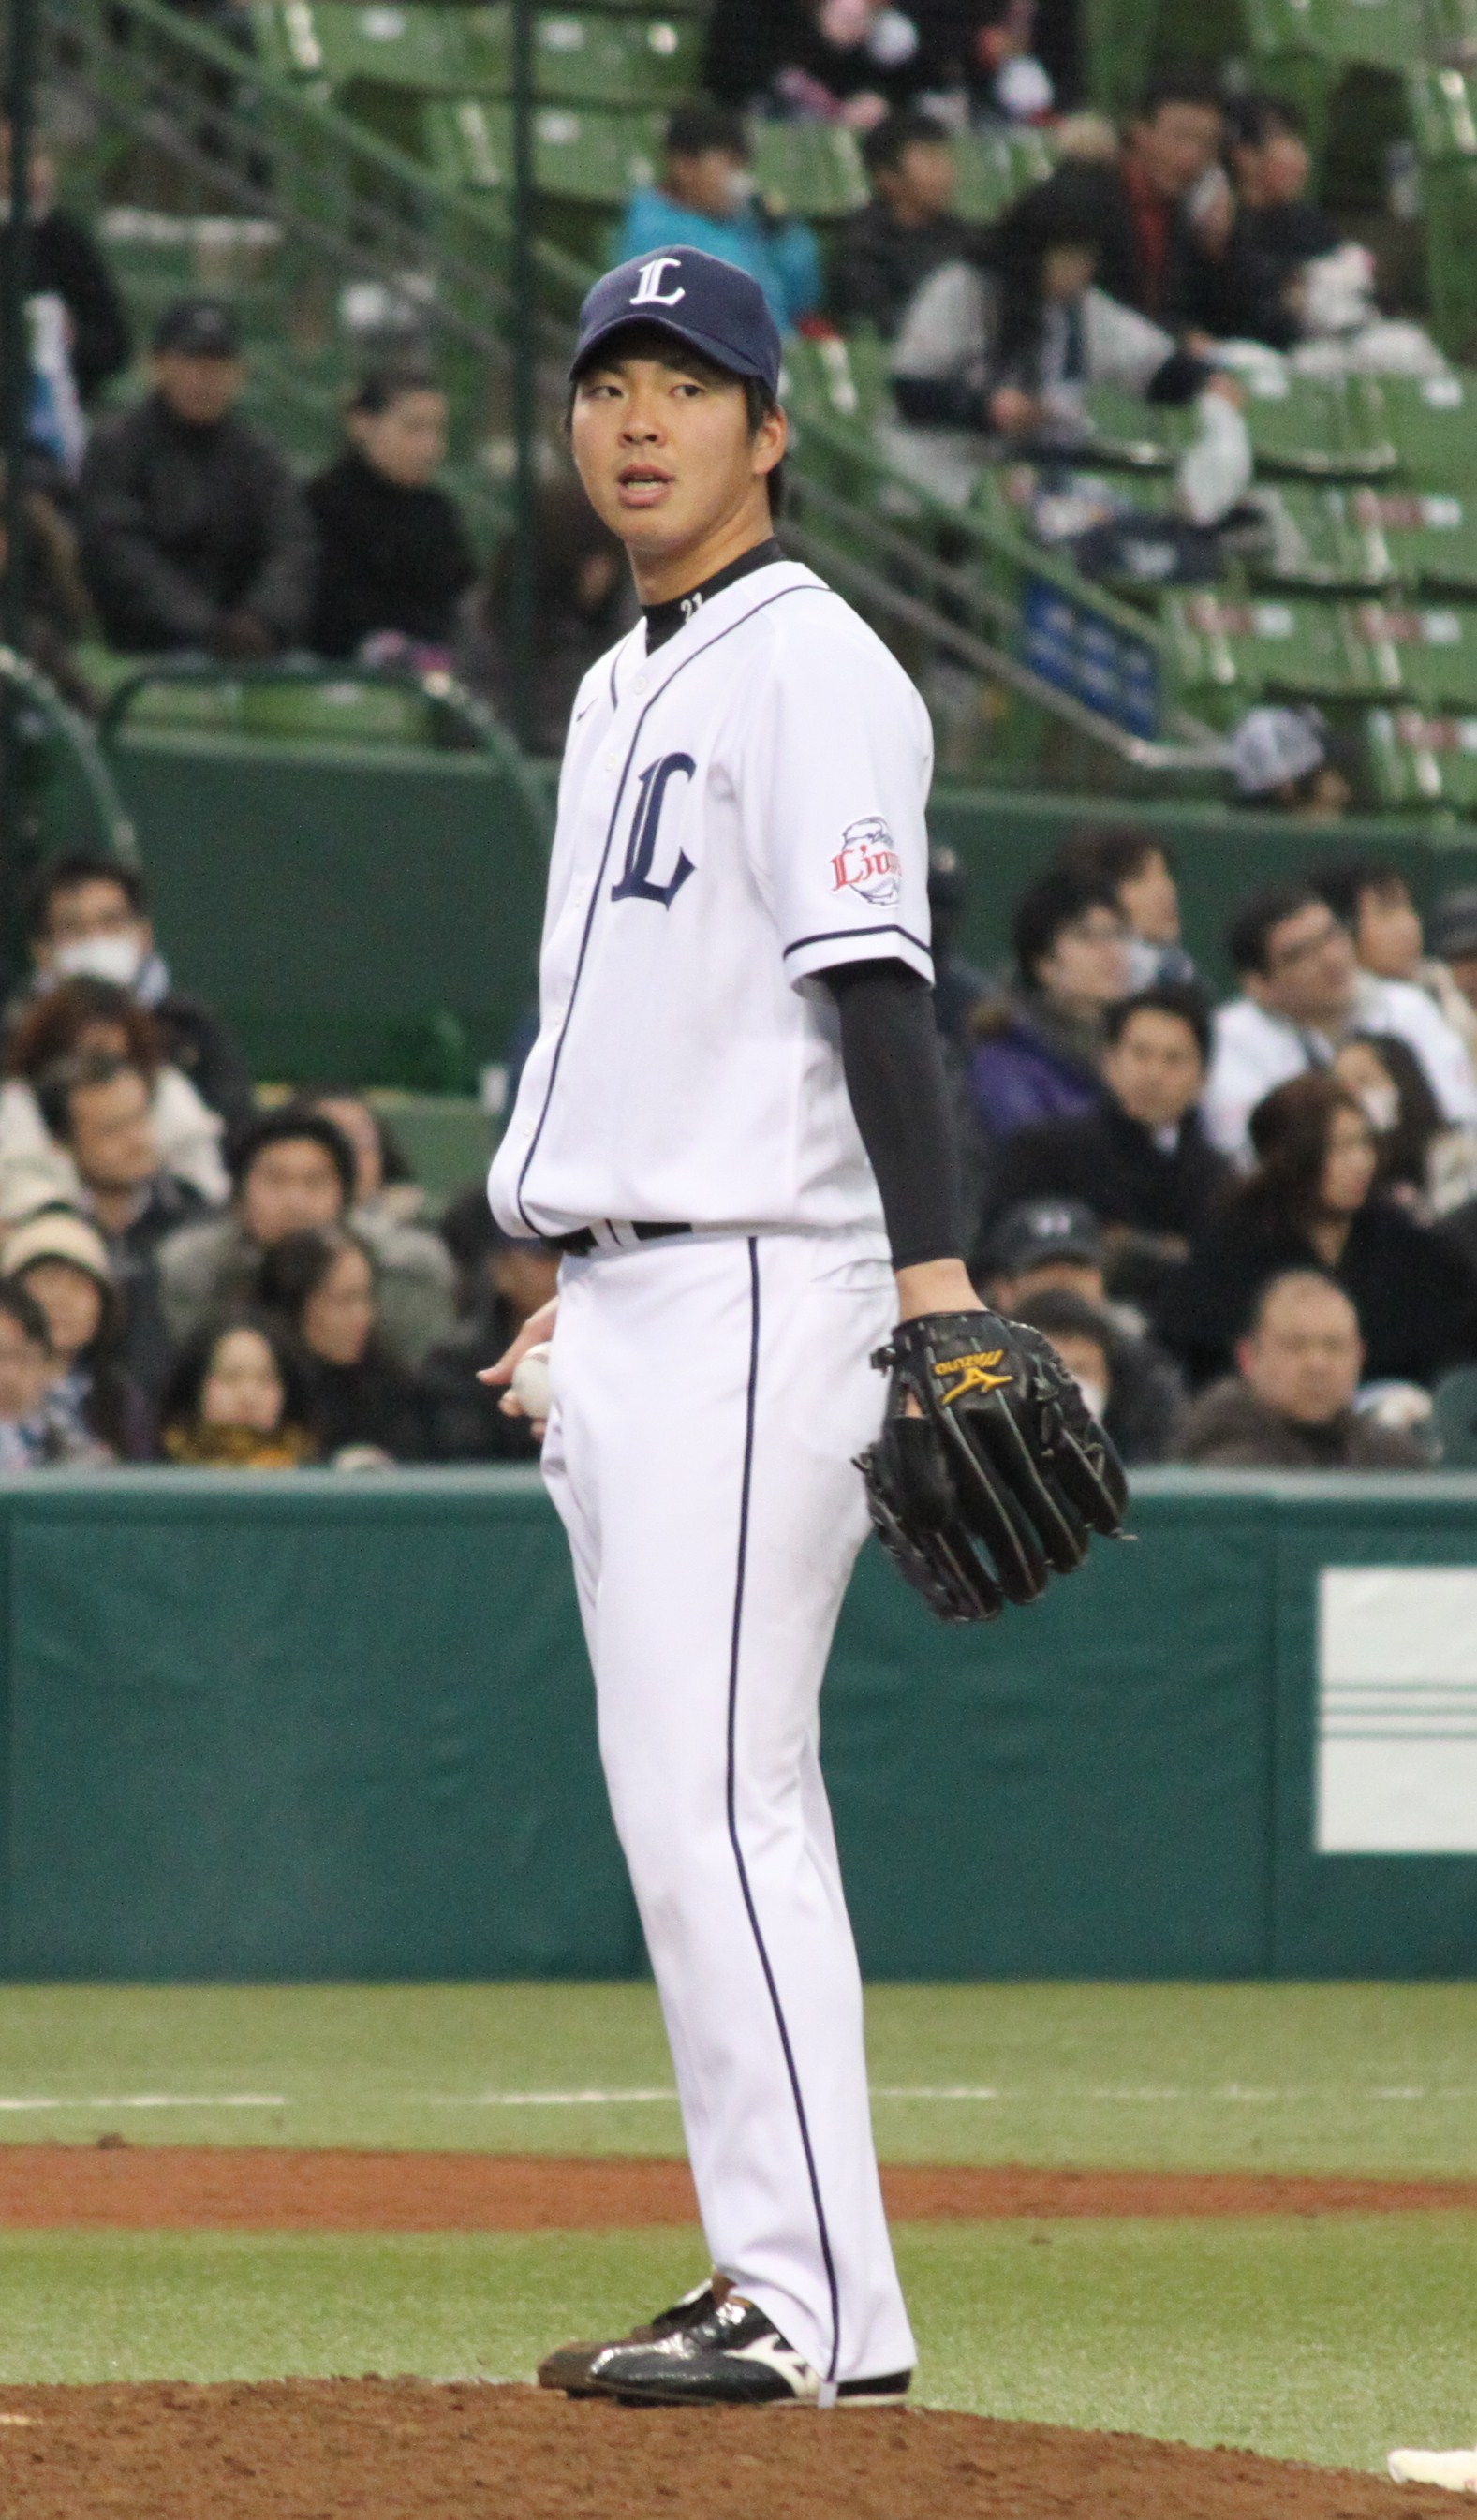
(636,882)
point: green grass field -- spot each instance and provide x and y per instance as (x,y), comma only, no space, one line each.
(1325,2339)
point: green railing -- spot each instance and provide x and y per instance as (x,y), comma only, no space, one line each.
(34,695)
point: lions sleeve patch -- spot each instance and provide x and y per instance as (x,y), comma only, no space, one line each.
(867,864)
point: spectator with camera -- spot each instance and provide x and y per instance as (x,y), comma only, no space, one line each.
(294,1172)
(194,533)
(88,918)
(1290,1404)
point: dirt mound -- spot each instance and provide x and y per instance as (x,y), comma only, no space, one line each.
(407,2450)
(225,2187)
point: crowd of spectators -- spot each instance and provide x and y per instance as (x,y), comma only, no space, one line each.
(189,1275)
(1251,1226)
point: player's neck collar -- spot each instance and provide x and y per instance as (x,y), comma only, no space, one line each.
(664,621)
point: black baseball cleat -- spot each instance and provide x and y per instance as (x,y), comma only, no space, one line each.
(567,2367)
(734,2357)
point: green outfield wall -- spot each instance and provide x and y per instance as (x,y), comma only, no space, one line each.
(316,1726)
(340,904)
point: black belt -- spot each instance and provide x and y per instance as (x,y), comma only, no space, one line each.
(586,1238)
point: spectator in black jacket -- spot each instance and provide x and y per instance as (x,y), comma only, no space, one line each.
(583,602)
(63,261)
(89,916)
(1166,206)
(1312,1202)
(908,229)
(393,557)
(194,534)
(1249,290)
(1140,1159)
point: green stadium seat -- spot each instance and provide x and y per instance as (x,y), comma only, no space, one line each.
(1290,647)
(1132,436)
(994,167)
(1442,121)
(1281,26)
(1379,34)
(1322,538)
(846,380)
(1329,427)
(596,160)
(1454,1410)
(809,170)
(1429,535)
(1433,648)
(1433,422)
(396,46)
(446,1138)
(338,710)
(1420,761)
(584,59)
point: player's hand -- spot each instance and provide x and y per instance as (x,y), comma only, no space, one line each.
(538,1327)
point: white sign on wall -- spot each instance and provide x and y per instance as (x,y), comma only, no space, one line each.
(1397,1711)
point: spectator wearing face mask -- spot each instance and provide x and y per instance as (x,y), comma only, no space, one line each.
(1140,870)
(98,1107)
(1290,1404)
(394,556)
(238,1399)
(1138,1156)
(294,1172)
(87,918)
(1131,1391)
(1036,1052)
(1430,1168)
(706,200)
(827,61)
(61,1259)
(92,1018)
(33,1435)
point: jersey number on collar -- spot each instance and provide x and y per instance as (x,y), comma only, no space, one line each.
(635,883)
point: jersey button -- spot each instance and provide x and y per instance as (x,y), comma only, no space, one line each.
(640,681)
(609,761)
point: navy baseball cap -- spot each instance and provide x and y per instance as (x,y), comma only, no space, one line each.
(203,328)
(710,304)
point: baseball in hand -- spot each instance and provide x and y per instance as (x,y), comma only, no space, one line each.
(530,1381)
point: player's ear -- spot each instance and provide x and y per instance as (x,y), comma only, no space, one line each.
(770,440)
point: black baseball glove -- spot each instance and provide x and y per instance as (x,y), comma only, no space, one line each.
(1003,1474)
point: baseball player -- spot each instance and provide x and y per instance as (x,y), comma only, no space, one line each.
(733,1122)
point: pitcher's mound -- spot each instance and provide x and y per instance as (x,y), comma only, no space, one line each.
(412,2450)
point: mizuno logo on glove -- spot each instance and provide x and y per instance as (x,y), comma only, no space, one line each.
(976,1373)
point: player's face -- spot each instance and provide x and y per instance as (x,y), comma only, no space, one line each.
(667,458)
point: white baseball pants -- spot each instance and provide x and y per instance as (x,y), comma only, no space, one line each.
(709,1393)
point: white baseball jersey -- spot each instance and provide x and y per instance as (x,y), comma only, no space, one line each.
(737,812)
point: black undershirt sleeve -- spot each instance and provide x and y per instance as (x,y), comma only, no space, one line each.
(895,1077)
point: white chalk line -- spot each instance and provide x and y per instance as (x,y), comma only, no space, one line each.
(662,2095)
(152,2101)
